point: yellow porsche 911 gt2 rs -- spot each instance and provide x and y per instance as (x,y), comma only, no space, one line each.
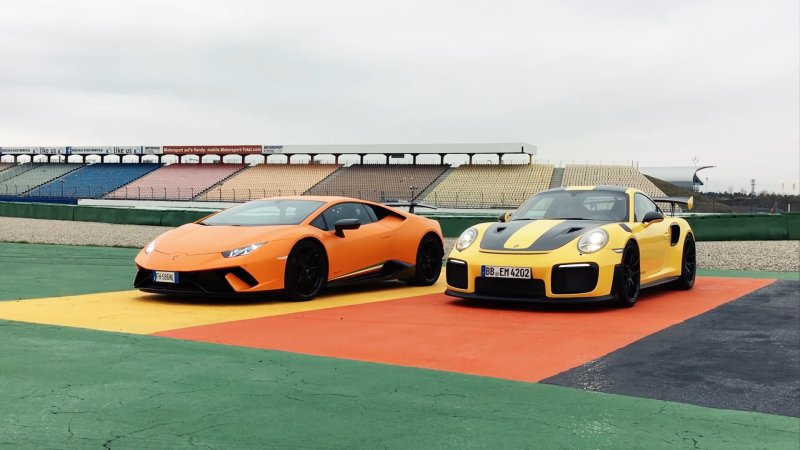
(575,244)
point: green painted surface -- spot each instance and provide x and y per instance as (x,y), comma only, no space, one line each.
(40,270)
(74,388)
(749,274)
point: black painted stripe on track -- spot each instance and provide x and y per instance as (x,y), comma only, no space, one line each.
(743,355)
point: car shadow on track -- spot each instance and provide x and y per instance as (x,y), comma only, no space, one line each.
(265,298)
(550,306)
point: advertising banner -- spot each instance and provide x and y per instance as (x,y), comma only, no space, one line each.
(272,149)
(100,150)
(33,150)
(212,150)
(152,150)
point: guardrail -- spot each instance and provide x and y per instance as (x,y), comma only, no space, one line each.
(708,227)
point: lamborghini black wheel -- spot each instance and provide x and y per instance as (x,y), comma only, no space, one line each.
(629,278)
(306,271)
(688,265)
(429,262)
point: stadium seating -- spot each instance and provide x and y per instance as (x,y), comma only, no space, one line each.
(267,180)
(33,175)
(93,181)
(14,170)
(176,182)
(4,166)
(379,182)
(490,186)
(625,176)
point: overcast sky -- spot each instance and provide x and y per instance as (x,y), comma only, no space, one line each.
(657,82)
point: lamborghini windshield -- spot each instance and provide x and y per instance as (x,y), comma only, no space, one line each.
(611,206)
(265,212)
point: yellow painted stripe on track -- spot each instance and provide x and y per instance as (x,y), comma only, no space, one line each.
(139,313)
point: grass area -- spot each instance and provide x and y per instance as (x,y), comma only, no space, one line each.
(44,270)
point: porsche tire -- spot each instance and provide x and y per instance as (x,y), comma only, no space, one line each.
(306,271)
(688,265)
(626,290)
(428,265)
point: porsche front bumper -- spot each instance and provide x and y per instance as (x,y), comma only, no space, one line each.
(582,278)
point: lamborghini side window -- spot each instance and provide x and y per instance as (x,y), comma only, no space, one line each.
(346,211)
(319,222)
(641,206)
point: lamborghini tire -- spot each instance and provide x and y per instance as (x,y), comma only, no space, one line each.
(428,265)
(306,271)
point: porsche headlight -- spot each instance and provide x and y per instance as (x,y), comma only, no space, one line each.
(466,239)
(593,241)
(241,251)
(150,247)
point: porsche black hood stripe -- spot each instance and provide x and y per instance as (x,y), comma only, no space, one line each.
(559,234)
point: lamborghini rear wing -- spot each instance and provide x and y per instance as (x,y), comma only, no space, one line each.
(410,205)
(687,201)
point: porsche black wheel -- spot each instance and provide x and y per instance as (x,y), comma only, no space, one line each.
(306,271)
(629,281)
(429,262)
(688,265)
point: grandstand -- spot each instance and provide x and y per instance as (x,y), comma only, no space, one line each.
(627,176)
(93,181)
(14,170)
(267,180)
(4,166)
(31,176)
(379,182)
(490,186)
(176,182)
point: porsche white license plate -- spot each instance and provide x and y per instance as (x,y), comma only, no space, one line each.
(505,272)
(165,277)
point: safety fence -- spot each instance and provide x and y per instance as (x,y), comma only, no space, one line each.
(711,227)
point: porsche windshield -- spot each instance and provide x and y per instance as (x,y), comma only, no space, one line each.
(265,212)
(611,206)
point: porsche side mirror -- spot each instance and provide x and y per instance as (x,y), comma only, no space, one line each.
(346,224)
(504,216)
(652,217)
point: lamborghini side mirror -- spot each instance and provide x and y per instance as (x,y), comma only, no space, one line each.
(504,216)
(346,224)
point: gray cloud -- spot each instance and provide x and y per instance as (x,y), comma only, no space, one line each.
(655,82)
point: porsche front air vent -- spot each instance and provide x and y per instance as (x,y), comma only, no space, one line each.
(574,278)
(457,273)
(509,288)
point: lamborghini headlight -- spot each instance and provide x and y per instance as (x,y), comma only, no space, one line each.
(466,239)
(241,251)
(593,241)
(150,247)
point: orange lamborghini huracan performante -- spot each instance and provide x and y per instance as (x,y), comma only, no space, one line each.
(295,245)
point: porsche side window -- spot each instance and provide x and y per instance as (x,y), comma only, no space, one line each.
(641,206)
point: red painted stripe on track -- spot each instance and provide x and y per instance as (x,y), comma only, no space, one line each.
(523,343)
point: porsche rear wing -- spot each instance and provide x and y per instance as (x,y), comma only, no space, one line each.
(687,201)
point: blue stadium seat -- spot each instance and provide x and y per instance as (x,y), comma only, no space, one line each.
(93,181)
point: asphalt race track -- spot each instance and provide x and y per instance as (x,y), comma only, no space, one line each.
(88,363)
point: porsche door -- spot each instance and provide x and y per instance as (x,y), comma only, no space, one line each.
(360,250)
(653,237)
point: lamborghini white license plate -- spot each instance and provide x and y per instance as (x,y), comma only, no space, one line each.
(165,277)
(505,272)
